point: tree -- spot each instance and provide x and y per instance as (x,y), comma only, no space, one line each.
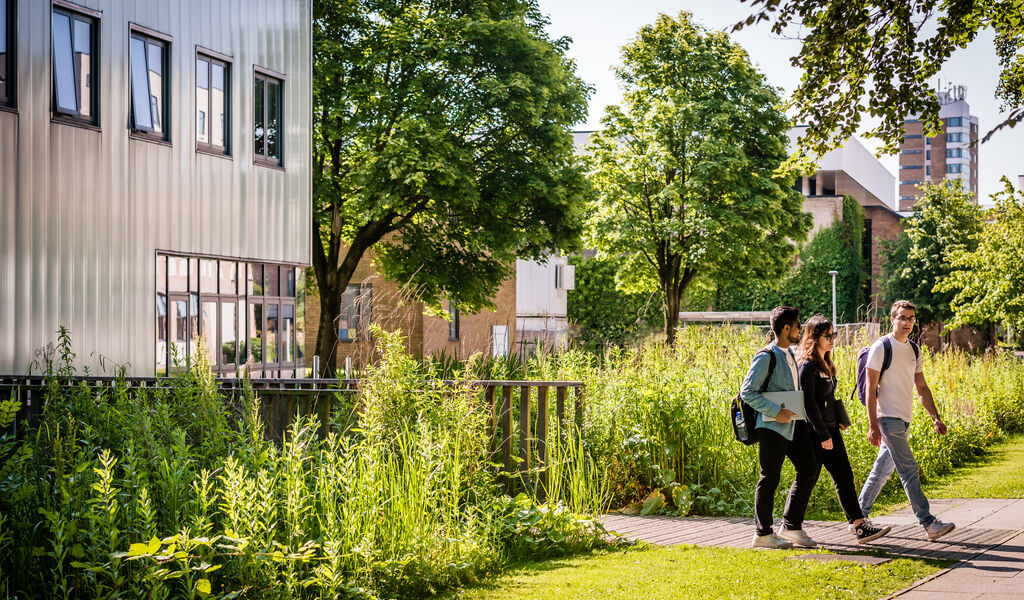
(442,141)
(945,221)
(684,169)
(987,282)
(808,286)
(878,56)
(605,314)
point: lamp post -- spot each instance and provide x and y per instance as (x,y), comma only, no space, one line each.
(833,273)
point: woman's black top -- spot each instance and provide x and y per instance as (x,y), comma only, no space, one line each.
(819,399)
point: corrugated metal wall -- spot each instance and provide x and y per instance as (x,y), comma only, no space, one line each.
(84,212)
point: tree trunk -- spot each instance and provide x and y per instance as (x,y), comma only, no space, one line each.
(326,337)
(672,302)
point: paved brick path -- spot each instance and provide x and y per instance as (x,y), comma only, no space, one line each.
(988,542)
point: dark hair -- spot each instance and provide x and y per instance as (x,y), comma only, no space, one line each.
(782,316)
(897,305)
(816,327)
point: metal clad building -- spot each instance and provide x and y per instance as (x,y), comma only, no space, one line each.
(109,205)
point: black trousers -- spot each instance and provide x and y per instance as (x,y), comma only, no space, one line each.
(773,450)
(837,463)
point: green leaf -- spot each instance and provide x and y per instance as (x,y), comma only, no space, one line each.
(139,549)
(652,503)
(77,551)
(203,586)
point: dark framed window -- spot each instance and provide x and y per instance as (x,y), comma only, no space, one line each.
(356,312)
(8,45)
(268,122)
(149,58)
(75,64)
(213,101)
(453,322)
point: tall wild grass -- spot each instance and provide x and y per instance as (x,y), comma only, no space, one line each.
(169,494)
(656,415)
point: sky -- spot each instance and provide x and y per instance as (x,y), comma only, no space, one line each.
(599,29)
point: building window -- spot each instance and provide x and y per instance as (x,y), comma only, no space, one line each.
(499,341)
(74,65)
(150,59)
(928,155)
(212,103)
(954,168)
(268,122)
(927,141)
(910,152)
(912,182)
(910,136)
(910,167)
(956,137)
(954,152)
(356,312)
(8,43)
(955,122)
(453,322)
(928,170)
(212,300)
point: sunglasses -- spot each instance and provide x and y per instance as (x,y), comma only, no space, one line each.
(829,336)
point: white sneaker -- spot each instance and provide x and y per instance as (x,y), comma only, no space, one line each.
(797,537)
(769,541)
(937,529)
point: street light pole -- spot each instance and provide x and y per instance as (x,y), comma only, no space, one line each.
(833,273)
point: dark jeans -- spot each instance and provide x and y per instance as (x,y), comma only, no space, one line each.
(837,463)
(773,449)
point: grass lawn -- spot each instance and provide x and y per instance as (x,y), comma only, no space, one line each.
(999,474)
(680,572)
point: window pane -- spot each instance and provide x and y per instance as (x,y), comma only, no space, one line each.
(271,333)
(208,276)
(348,318)
(228,323)
(256,287)
(140,86)
(218,98)
(287,333)
(193,274)
(193,322)
(83,65)
(243,336)
(161,333)
(258,128)
(228,277)
(300,315)
(202,100)
(155,64)
(178,273)
(273,118)
(178,334)
(209,331)
(255,326)
(63,65)
(272,279)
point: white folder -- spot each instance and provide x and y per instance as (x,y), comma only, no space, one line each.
(792,401)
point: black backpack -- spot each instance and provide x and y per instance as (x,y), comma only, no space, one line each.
(861,389)
(742,415)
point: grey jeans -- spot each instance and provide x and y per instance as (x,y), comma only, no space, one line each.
(895,454)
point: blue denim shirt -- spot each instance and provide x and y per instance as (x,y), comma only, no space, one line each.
(781,381)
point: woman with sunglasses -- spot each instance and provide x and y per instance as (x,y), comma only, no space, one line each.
(827,418)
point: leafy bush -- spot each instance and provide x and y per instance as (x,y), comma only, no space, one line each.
(605,314)
(168,494)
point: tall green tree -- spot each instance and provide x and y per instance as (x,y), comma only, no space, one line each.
(987,282)
(945,221)
(442,141)
(684,168)
(878,57)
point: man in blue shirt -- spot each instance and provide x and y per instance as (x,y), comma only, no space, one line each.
(780,437)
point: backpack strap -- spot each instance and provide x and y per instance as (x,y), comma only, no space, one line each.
(917,349)
(886,356)
(771,367)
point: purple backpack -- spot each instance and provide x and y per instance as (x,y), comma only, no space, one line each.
(862,366)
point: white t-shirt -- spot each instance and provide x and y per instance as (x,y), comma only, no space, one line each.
(791,361)
(896,390)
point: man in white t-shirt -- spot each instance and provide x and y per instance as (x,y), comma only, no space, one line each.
(890,400)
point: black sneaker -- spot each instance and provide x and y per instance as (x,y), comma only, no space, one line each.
(866,532)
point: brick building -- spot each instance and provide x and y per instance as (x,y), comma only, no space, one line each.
(952,154)
(373,299)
